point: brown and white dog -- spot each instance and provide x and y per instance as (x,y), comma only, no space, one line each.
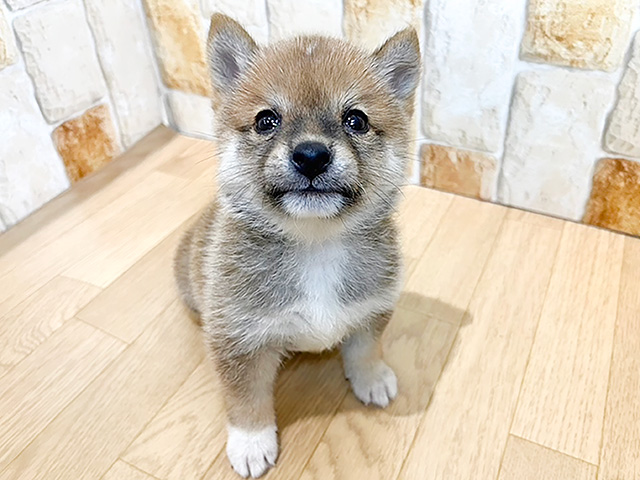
(299,251)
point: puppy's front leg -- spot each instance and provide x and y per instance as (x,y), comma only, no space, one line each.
(372,380)
(248,380)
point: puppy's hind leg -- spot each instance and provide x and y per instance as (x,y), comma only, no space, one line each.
(248,381)
(372,380)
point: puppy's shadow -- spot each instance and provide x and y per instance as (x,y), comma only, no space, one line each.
(416,345)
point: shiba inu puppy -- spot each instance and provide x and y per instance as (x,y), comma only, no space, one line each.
(299,251)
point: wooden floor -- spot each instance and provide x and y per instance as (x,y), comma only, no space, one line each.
(516,343)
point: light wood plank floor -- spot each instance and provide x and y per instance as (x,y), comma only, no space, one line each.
(516,343)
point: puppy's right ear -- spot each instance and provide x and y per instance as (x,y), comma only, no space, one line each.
(230,49)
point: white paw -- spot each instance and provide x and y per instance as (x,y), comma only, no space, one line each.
(377,385)
(252,452)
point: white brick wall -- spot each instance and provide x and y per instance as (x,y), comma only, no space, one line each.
(191,113)
(31,172)
(252,15)
(469,61)
(553,141)
(623,134)
(60,58)
(83,53)
(292,17)
(8,49)
(118,26)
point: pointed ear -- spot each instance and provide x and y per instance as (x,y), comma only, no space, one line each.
(398,62)
(230,49)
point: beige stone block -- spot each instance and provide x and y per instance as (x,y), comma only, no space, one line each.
(590,34)
(126,57)
(8,50)
(60,57)
(180,44)
(458,171)
(288,18)
(370,22)
(623,133)
(191,114)
(87,143)
(31,172)
(553,140)
(18,4)
(615,197)
(469,58)
(252,15)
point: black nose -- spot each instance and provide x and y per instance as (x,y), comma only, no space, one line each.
(311,159)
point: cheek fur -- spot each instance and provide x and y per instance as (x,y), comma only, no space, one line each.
(276,161)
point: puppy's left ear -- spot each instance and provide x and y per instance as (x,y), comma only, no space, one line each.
(398,63)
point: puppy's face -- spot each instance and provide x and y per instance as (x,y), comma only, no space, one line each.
(311,129)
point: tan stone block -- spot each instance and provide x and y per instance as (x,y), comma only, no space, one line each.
(180,44)
(86,143)
(370,22)
(458,171)
(8,50)
(590,34)
(615,196)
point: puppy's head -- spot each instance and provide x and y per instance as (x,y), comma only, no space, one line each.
(312,131)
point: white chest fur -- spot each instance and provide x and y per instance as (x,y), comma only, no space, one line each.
(320,319)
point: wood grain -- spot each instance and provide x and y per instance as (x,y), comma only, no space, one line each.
(415,346)
(123,471)
(309,392)
(511,325)
(112,247)
(134,300)
(464,430)
(564,391)
(86,438)
(35,319)
(102,247)
(42,385)
(524,460)
(534,219)
(195,160)
(621,432)
(448,270)
(88,196)
(30,242)
(419,216)
(187,434)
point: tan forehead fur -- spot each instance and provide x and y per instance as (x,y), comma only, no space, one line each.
(307,73)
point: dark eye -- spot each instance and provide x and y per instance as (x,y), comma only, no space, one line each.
(356,121)
(267,121)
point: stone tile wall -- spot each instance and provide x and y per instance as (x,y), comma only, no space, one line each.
(519,99)
(78,84)
(530,103)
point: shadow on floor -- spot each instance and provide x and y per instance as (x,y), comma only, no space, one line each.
(416,344)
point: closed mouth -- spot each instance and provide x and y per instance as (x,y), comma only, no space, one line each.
(312,201)
(311,190)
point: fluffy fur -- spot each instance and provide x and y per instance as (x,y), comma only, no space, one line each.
(271,267)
